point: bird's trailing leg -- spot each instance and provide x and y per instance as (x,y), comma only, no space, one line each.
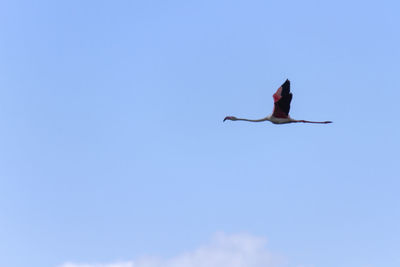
(312,121)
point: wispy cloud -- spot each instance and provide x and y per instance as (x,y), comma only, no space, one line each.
(238,250)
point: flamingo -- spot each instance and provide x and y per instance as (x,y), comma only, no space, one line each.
(280,115)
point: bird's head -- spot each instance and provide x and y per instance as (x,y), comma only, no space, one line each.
(231,118)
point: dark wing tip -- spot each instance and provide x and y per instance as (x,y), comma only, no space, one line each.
(286,84)
(286,89)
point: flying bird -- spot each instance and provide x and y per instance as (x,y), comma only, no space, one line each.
(280,115)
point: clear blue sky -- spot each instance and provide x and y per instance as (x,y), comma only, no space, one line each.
(112,145)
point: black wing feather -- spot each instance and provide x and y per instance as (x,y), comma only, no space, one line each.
(284,103)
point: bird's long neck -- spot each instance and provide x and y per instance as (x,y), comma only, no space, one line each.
(263,119)
(312,121)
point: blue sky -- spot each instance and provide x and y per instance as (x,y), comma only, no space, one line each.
(113,147)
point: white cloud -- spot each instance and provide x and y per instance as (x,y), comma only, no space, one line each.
(239,250)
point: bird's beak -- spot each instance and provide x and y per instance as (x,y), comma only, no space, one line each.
(226,118)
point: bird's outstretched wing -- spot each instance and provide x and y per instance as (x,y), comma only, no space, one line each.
(282,99)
